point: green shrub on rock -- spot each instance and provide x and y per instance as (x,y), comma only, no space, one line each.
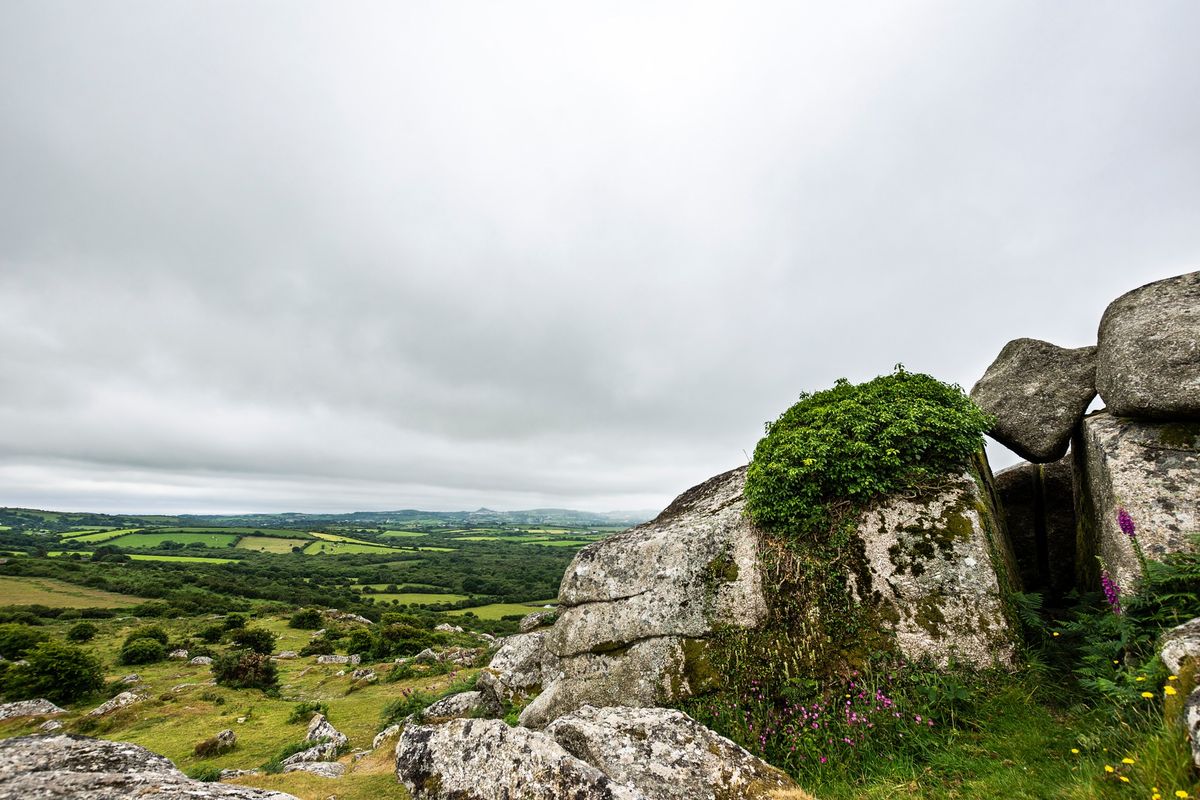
(845,446)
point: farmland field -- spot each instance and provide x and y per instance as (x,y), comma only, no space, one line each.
(156,539)
(417,598)
(334,548)
(143,557)
(103,536)
(560,542)
(57,594)
(498,610)
(402,534)
(270,544)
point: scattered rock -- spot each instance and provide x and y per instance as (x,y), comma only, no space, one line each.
(326,769)
(1180,643)
(50,725)
(346,616)
(446,627)
(180,654)
(201,661)
(241,720)
(1148,359)
(286,655)
(336,659)
(29,708)
(479,759)
(365,674)
(666,755)
(122,700)
(227,739)
(460,706)
(1152,470)
(328,741)
(131,678)
(1037,392)
(426,656)
(1037,502)
(538,619)
(385,734)
(226,774)
(82,768)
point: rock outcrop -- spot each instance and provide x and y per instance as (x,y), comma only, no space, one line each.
(29,708)
(484,759)
(1191,721)
(1037,392)
(82,768)
(1152,470)
(519,669)
(327,741)
(1037,502)
(665,755)
(1179,644)
(122,700)
(1148,360)
(460,706)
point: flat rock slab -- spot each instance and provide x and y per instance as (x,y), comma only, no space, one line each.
(82,768)
(480,759)
(1152,470)
(1148,359)
(29,708)
(666,755)
(1037,392)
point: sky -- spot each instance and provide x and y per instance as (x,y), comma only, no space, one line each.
(299,256)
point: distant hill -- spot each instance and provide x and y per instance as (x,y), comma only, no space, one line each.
(62,520)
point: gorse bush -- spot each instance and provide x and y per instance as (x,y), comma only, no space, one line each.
(854,443)
(306,619)
(81,632)
(260,640)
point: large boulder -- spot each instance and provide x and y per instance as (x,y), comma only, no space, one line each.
(82,768)
(1152,470)
(484,759)
(460,706)
(327,741)
(1148,361)
(1180,644)
(1037,502)
(666,755)
(638,610)
(1037,392)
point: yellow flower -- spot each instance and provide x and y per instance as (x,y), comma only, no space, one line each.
(1127,761)
(1172,677)
(1054,634)
(1169,690)
(1141,677)
(1147,694)
(1180,793)
(1124,779)
(1116,662)
(1075,750)
(1109,768)
(1156,796)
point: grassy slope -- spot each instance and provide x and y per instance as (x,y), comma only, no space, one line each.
(57,594)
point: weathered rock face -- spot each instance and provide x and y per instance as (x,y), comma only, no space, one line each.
(327,742)
(1191,721)
(1148,361)
(120,701)
(1037,392)
(629,604)
(29,708)
(81,768)
(519,669)
(942,562)
(1037,502)
(1180,643)
(1152,470)
(538,619)
(480,759)
(666,755)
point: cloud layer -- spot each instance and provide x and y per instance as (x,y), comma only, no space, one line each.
(301,256)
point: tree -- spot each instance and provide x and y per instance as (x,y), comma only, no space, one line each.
(59,672)
(308,619)
(260,640)
(81,632)
(245,669)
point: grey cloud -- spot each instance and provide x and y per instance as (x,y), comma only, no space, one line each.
(259,256)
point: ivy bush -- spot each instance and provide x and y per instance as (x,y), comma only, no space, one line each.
(857,442)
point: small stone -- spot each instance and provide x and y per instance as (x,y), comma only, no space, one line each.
(123,700)
(180,654)
(385,734)
(227,739)
(50,725)
(201,661)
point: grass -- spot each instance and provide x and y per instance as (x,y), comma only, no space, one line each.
(500,610)
(157,538)
(57,594)
(270,544)
(421,587)
(334,548)
(417,598)
(402,534)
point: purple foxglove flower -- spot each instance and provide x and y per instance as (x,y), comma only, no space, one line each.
(1126,522)
(1112,592)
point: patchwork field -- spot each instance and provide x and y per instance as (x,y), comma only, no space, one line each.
(417,598)
(57,594)
(402,534)
(270,544)
(145,557)
(343,546)
(501,610)
(102,536)
(157,538)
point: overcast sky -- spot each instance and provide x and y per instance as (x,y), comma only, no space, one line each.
(266,256)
